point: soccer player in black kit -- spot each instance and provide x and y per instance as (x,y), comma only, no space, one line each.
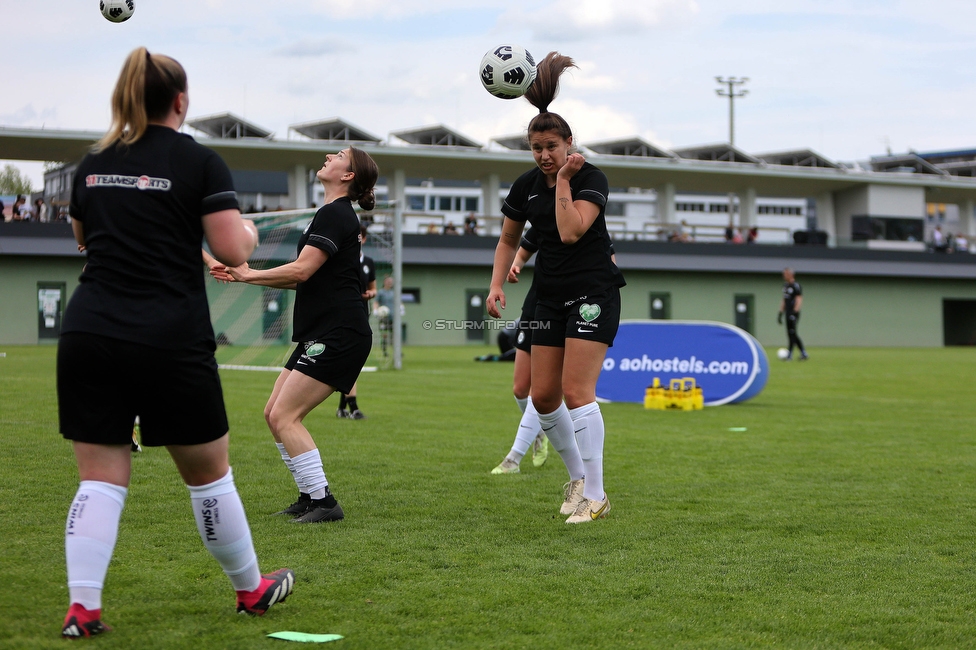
(529,432)
(368,267)
(331,325)
(789,307)
(142,202)
(578,291)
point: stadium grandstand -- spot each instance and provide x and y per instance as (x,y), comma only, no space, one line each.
(847,226)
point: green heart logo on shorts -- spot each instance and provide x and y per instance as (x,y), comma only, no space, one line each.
(589,312)
(315,349)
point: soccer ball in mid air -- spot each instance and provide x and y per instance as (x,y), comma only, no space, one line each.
(783,354)
(118,11)
(507,71)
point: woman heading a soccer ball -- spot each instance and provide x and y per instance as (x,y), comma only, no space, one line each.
(564,198)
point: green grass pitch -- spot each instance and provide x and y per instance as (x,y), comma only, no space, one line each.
(842,517)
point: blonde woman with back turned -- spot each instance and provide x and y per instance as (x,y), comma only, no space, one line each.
(142,203)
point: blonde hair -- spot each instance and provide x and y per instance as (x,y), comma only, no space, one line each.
(145,91)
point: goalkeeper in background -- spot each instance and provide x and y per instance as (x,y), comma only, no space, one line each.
(789,306)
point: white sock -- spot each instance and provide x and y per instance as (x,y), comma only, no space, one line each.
(89,539)
(527,432)
(290,465)
(588,423)
(223,528)
(308,467)
(558,427)
(522,403)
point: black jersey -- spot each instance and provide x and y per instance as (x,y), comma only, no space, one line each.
(141,207)
(530,242)
(333,296)
(566,271)
(367,270)
(790,291)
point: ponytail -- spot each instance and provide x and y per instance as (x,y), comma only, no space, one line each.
(366,172)
(544,90)
(145,91)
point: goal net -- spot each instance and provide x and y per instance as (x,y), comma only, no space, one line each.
(253,324)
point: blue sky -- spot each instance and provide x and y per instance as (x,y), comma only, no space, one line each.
(848,78)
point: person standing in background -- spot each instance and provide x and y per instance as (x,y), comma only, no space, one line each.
(789,307)
(40,210)
(17,211)
(368,267)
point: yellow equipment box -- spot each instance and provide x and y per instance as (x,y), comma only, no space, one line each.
(681,395)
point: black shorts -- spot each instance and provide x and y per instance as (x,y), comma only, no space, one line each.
(590,318)
(523,339)
(526,322)
(336,359)
(104,383)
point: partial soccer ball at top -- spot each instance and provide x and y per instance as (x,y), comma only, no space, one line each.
(118,11)
(507,71)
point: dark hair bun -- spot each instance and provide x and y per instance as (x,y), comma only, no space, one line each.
(367,201)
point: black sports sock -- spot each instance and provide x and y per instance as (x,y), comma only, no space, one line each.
(352,403)
(328,501)
(342,401)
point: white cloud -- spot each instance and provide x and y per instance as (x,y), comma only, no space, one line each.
(591,123)
(570,20)
(647,67)
(588,77)
(345,9)
(309,47)
(29,116)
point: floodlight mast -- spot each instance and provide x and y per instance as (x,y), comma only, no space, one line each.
(731,93)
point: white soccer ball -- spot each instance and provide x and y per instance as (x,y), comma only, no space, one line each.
(783,353)
(118,11)
(507,71)
(382,311)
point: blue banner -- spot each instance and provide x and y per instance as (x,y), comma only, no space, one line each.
(727,362)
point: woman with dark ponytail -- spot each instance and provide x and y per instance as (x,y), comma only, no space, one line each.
(331,325)
(578,291)
(142,203)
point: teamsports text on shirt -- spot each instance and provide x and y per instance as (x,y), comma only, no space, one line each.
(137,182)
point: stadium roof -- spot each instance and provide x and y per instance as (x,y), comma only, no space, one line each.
(720,152)
(955,155)
(517,142)
(797,158)
(468,163)
(630,147)
(228,126)
(960,168)
(436,136)
(334,129)
(910,162)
